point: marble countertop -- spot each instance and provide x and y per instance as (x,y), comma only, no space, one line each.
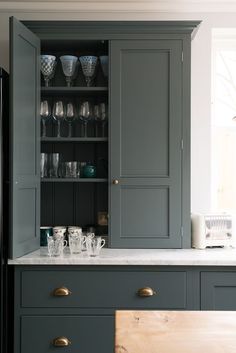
(162,257)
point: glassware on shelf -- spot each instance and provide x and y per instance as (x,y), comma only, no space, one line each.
(69,64)
(48,65)
(97,118)
(53,165)
(71,169)
(103,117)
(44,165)
(85,115)
(45,115)
(88,64)
(70,116)
(58,114)
(104,64)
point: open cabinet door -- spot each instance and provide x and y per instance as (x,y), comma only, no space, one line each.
(24,140)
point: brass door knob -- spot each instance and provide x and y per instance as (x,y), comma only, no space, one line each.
(146,292)
(115,182)
(61,292)
(61,342)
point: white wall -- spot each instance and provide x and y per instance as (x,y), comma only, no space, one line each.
(201,79)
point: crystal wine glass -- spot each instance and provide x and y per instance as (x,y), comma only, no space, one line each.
(88,64)
(70,116)
(69,63)
(97,116)
(103,117)
(48,64)
(104,65)
(45,115)
(58,115)
(85,114)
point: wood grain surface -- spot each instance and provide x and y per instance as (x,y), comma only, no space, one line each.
(175,332)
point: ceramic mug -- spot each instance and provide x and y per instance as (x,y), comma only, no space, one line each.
(59,232)
(45,232)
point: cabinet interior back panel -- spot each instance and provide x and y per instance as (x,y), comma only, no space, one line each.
(149,120)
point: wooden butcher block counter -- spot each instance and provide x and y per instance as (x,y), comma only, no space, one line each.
(175,332)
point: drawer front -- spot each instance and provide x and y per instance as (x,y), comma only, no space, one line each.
(85,334)
(218,291)
(103,289)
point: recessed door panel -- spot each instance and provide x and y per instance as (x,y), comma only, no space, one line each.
(136,222)
(144,113)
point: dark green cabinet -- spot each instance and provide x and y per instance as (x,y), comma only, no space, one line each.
(146,143)
(85,334)
(25,141)
(145,189)
(218,290)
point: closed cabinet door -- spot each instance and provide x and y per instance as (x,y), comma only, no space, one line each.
(218,291)
(146,138)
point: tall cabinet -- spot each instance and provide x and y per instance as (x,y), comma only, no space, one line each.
(143,162)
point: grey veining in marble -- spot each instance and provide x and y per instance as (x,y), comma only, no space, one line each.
(165,257)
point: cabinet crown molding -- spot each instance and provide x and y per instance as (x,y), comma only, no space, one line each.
(130,7)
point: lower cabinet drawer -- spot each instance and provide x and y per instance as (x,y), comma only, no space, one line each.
(218,291)
(103,289)
(84,334)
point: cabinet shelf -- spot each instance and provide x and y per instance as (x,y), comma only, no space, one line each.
(74,180)
(74,139)
(71,90)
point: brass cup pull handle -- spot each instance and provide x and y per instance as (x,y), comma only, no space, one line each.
(61,292)
(61,342)
(115,182)
(146,292)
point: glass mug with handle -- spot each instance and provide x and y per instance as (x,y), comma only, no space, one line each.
(56,246)
(94,246)
(76,241)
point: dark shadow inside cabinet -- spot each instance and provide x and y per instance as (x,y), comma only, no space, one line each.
(81,200)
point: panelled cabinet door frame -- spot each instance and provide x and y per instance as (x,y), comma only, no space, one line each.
(24,140)
(146,135)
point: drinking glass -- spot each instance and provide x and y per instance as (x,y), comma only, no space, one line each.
(56,246)
(94,246)
(71,169)
(45,115)
(58,114)
(76,242)
(48,65)
(103,117)
(53,169)
(85,114)
(44,165)
(104,65)
(69,63)
(70,116)
(88,235)
(88,64)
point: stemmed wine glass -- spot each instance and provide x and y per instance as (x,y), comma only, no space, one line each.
(45,115)
(88,64)
(48,65)
(103,117)
(104,65)
(58,115)
(97,117)
(69,63)
(70,116)
(85,114)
